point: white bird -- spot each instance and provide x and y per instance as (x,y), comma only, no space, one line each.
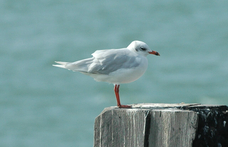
(114,66)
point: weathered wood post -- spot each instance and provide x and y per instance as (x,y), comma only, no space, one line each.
(162,125)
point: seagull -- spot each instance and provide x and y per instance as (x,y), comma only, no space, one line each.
(116,66)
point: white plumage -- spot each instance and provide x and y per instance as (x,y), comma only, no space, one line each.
(115,66)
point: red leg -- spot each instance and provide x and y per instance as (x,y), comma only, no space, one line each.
(116,90)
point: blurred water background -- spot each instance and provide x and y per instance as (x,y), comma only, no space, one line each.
(41,105)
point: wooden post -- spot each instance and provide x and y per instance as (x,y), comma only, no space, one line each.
(162,125)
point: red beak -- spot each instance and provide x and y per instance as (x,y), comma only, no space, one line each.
(155,53)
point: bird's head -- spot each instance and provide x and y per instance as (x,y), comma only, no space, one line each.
(141,48)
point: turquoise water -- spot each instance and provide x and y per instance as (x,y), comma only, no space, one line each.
(41,105)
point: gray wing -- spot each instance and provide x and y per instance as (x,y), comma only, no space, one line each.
(107,61)
(80,66)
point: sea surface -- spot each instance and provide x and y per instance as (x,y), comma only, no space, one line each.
(41,105)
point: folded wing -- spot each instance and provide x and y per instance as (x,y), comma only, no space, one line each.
(103,62)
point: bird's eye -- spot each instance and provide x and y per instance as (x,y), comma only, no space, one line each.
(142,48)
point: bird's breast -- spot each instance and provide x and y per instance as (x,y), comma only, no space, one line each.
(127,75)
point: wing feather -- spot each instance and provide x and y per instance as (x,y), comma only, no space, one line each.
(107,61)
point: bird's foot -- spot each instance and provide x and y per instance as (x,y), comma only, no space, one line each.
(124,106)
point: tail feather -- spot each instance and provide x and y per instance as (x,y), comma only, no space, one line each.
(60,64)
(80,66)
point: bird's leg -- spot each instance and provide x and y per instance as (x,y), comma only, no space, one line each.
(116,89)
